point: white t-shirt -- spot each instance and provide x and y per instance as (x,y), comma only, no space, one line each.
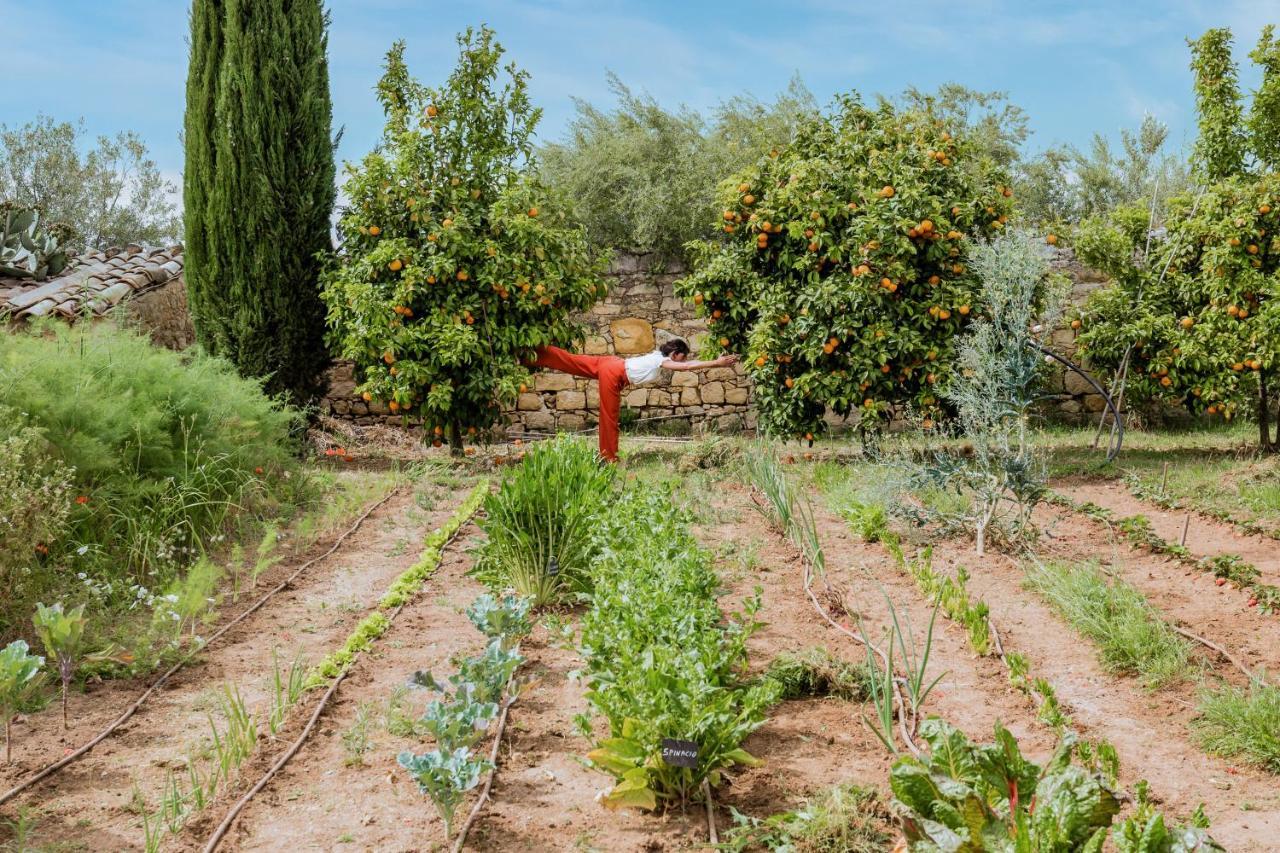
(644,368)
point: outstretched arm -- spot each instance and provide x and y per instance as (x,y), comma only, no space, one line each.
(722,361)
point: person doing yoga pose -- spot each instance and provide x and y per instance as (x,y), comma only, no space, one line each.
(614,374)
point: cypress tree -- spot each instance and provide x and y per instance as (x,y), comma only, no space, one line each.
(259,186)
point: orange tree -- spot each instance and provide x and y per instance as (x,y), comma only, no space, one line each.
(455,262)
(1192,316)
(842,267)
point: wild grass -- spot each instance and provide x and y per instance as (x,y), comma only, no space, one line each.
(1242,722)
(1130,635)
(842,819)
(814,671)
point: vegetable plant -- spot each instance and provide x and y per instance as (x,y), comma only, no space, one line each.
(662,661)
(843,268)
(504,619)
(541,524)
(19,678)
(61,631)
(455,261)
(445,776)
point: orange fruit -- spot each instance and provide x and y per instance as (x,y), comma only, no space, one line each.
(1233,310)
(393,406)
(1187,322)
(869,403)
(1234,241)
(395,265)
(1051,239)
(1264,209)
(374,230)
(760,361)
(432,112)
(957,268)
(964,310)
(728,229)
(1166,381)
(533,212)
(1252,249)
(367,397)
(944,314)
(813,247)
(742,188)
(789,382)
(447,223)
(728,216)
(933,279)
(389,357)
(697,298)
(724,342)
(748,199)
(926,226)
(887,192)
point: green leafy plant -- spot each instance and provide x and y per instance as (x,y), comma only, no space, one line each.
(963,796)
(19,678)
(814,671)
(30,248)
(843,268)
(1145,830)
(540,525)
(455,261)
(1242,721)
(445,777)
(504,619)
(662,661)
(61,632)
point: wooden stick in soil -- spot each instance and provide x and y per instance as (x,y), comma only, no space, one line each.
(169,673)
(1217,648)
(1186,526)
(711,813)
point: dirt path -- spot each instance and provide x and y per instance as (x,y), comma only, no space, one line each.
(91,804)
(1188,597)
(1206,536)
(1149,729)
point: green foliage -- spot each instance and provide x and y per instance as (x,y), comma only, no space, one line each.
(19,677)
(1190,316)
(814,671)
(455,262)
(1145,831)
(643,178)
(258,187)
(62,633)
(965,797)
(1130,635)
(505,619)
(111,194)
(662,661)
(1243,722)
(541,524)
(1062,186)
(35,503)
(843,270)
(995,127)
(164,451)
(30,248)
(445,776)
(843,819)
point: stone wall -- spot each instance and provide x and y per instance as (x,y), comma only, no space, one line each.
(162,313)
(640,312)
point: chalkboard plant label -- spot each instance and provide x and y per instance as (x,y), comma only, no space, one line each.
(680,753)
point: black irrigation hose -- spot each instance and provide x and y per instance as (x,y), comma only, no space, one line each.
(1118,438)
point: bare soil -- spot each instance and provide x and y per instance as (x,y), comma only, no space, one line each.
(91,804)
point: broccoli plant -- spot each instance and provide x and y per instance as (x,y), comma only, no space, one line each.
(19,679)
(61,631)
(445,776)
(503,619)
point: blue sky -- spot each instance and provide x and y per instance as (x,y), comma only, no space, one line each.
(1076,67)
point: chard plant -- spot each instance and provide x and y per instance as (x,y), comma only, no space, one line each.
(62,632)
(19,679)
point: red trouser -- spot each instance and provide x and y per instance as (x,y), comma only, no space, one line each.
(610,371)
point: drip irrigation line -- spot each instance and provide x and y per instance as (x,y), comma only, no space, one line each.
(229,819)
(72,757)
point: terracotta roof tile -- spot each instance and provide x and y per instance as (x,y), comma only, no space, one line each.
(100,279)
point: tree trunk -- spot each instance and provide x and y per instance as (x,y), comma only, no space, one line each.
(1265,442)
(455,439)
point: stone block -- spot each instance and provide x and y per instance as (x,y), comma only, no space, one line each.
(570,400)
(571,422)
(553,382)
(1074,383)
(644,288)
(721,374)
(605,309)
(342,388)
(529,403)
(736,396)
(689,396)
(1095,403)
(638,397)
(539,420)
(593,397)
(1063,338)
(713,392)
(597,345)
(340,407)
(683,378)
(359,407)
(658,397)
(631,336)
(1071,407)
(672,305)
